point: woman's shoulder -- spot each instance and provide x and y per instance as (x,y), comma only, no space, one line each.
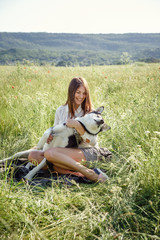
(61,115)
(63,108)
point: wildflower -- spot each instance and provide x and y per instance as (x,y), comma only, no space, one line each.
(48,71)
(12,86)
(29,80)
(156,132)
(147,132)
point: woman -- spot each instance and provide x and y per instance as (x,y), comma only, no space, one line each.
(67,160)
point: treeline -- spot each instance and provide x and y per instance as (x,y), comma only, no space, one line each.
(57,58)
(78,49)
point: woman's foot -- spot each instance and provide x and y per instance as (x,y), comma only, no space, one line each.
(102,177)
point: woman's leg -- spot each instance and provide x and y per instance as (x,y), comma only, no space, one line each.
(36,156)
(65,159)
(71,159)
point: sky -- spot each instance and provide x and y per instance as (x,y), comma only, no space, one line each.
(80,16)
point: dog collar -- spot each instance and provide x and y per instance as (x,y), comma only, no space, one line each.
(94,134)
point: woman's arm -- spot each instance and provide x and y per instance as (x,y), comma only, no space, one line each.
(56,118)
(72,123)
(90,139)
(56,122)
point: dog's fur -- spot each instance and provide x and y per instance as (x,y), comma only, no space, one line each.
(64,137)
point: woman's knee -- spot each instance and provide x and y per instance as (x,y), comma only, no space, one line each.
(50,153)
(35,155)
(31,156)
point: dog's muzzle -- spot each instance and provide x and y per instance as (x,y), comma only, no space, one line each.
(99,122)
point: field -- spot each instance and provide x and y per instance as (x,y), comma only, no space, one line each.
(128,205)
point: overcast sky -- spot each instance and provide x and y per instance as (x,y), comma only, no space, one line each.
(80,16)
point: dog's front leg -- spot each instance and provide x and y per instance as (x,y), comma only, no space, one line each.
(31,174)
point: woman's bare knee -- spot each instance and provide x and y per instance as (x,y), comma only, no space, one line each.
(30,156)
(50,153)
(36,156)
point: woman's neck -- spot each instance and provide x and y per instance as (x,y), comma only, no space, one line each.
(76,107)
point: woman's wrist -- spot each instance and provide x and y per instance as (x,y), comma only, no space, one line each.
(72,123)
(79,128)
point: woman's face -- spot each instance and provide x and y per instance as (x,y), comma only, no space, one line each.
(79,96)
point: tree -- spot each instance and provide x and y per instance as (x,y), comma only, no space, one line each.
(125,58)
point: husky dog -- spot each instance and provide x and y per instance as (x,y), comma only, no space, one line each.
(64,136)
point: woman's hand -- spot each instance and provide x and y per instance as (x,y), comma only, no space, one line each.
(50,138)
(72,123)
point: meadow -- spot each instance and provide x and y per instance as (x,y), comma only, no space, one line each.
(128,205)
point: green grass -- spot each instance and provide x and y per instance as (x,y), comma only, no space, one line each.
(127,207)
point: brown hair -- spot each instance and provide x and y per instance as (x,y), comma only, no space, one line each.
(73,86)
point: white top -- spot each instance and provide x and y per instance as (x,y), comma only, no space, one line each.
(62,115)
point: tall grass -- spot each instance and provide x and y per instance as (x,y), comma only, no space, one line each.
(127,207)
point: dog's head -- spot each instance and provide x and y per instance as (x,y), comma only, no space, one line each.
(93,122)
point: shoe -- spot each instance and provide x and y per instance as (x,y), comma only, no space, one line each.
(102,177)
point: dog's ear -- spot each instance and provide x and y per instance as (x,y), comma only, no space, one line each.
(105,127)
(99,110)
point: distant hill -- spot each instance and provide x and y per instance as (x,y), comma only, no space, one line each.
(84,49)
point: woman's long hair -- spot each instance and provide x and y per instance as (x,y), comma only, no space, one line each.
(73,86)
